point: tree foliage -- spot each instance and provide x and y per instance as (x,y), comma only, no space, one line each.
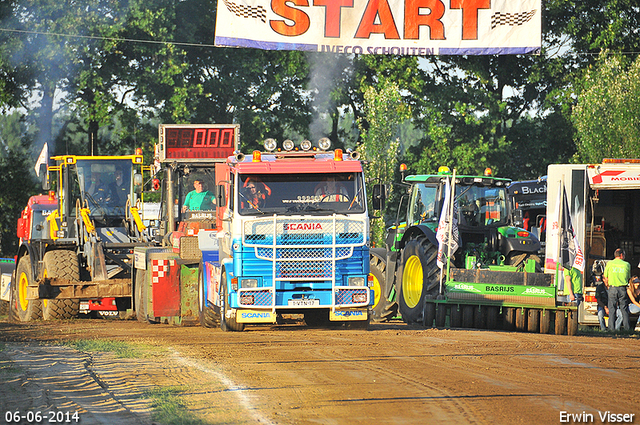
(607,112)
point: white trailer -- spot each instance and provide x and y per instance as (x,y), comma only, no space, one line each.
(604,202)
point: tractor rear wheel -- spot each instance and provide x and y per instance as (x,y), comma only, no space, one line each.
(492,317)
(140,299)
(455,316)
(480,317)
(521,316)
(206,313)
(533,320)
(561,322)
(228,320)
(61,264)
(572,323)
(22,309)
(467,316)
(545,321)
(383,309)
(418,278)
(429,314)
(441,315)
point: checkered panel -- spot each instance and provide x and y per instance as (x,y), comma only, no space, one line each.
(261,298)
(511,19)
(159,268)
(245,11)
(345,296)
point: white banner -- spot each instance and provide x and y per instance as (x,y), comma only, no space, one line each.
(43,158)
(397,27)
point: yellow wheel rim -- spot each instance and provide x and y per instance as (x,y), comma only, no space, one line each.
(22,289)
(412,281)
(377,290)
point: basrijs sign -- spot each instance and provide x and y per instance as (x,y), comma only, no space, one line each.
(500,289)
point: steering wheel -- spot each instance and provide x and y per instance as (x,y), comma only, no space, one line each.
(340,196)
(97,207)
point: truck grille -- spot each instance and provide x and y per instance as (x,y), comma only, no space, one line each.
(304,249)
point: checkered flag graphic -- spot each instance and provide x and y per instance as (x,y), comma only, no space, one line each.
(245,11)
(511,19)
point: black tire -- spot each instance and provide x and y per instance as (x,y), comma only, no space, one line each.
(480,317)
(533,320)
(561,322)
(206,313)
(455,316)
(429,314)
(140,299)
(509,318)
(572,323)
(519,259)
(61,264)
(229,323)
(383,309)
(545,321)
(419,277)
(521,322)
(492,317)
(441,315)
(467,316)
(22,309)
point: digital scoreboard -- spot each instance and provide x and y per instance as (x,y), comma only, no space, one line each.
(197,142)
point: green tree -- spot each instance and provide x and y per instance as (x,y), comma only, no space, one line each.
(18,185)
(607,112)
(383,113)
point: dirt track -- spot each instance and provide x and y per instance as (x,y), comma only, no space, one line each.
(292,374)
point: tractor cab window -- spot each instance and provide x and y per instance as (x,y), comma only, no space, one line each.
(423,206)
(105,185)
(481,206)
(197,193)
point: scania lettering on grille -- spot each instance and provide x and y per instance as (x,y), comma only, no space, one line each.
(256,315)
(302,226)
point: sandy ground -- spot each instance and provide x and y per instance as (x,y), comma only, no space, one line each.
(291,374)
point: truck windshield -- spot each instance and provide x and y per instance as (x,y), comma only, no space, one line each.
(341,193)
(105,185)
(481,206)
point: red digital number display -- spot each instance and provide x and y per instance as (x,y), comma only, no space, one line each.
(186,142)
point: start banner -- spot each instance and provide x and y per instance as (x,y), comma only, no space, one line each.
(396,27)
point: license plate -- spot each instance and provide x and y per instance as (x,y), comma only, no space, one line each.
(84,305)
(303,303)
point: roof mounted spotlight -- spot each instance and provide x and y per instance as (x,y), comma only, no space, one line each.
(288,145)
(305,145)
(270,144)
(324,143)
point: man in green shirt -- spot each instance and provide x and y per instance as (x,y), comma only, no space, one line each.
(616,275)
(198,199)
(573,284)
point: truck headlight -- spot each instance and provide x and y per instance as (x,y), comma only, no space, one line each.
(248,283)
(356,281)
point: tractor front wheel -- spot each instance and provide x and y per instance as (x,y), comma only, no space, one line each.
(61,264)
(419,278)
(22,309)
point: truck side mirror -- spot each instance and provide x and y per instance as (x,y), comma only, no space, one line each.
(45,177)
(221,198)
(379,197)
(137,183)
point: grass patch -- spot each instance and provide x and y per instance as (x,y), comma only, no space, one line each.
(121,349)
(168,407)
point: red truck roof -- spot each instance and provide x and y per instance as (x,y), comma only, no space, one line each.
(296,162)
